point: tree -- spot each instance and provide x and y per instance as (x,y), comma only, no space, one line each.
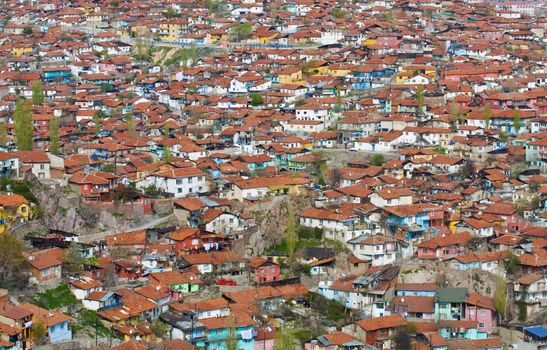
(518,169)
(500,299)
(257,100)
(338,13)
(377,159)
(37,93)
(290,231)
(402,339)
(242,30)
(167,156)
(159,328)
(503,136)
(27,30)
(284,339)
(130,124)
(299,102)
(11,258)
(54,135)
(454,114)
(141,49)
(231,338)
(96,123)
(72,259)
(517,122)
(22,117)
(420,99)
(3,134)
(487,115)
(38,331)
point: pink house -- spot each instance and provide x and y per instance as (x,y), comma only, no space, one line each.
(264,270)
(265,338)
(482,309)
(508,213)
(444,247)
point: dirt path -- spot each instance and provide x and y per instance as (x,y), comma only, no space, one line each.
(93,237)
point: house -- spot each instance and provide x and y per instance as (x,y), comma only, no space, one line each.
(223,222)
(35,162)
(508,214)
(9,165)
(378,331)
(126,240)
(179,182)
(380,250)
(217,330)
(450,303)
(264,270)
(532,289)
(56,323)
(222,262)
(414,219)
(16,320)
(100,300)
(178,282)
(45,266)
(89,186)
(460,329)
(217,307)
(335,341)
(82,287)
(186,239)
(478,228)
(414,307)
(444,247)
(127,270)
(482,309)
(486,261)
(14,208)
(389,197)
(416,289)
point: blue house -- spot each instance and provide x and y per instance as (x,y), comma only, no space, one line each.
(57,74)
(57,324)
(416,289)
(240,326)
(460,330)
(414,218)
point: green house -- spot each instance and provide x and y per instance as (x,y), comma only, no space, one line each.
(450,303)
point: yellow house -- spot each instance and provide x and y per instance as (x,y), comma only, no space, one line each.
(317,67)
(173,28)
(264,37)
(13,207)
(403,76)
(340,70)
(370,42)
(19,50)
(217,35)
(291,75)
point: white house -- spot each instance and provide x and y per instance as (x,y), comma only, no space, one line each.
(84,286)
(388,197)
(179,182)
(381,250)
(38,161)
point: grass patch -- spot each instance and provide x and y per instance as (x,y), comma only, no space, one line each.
(330,309)
(300,243)
(85,322)
(55,298)
(118,214)
(20,188)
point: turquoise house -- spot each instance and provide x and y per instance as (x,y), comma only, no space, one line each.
(460,330)
(218,329)
(450,303)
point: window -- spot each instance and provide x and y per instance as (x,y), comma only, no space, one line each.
(179,181)
(179,190)
(481,325)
